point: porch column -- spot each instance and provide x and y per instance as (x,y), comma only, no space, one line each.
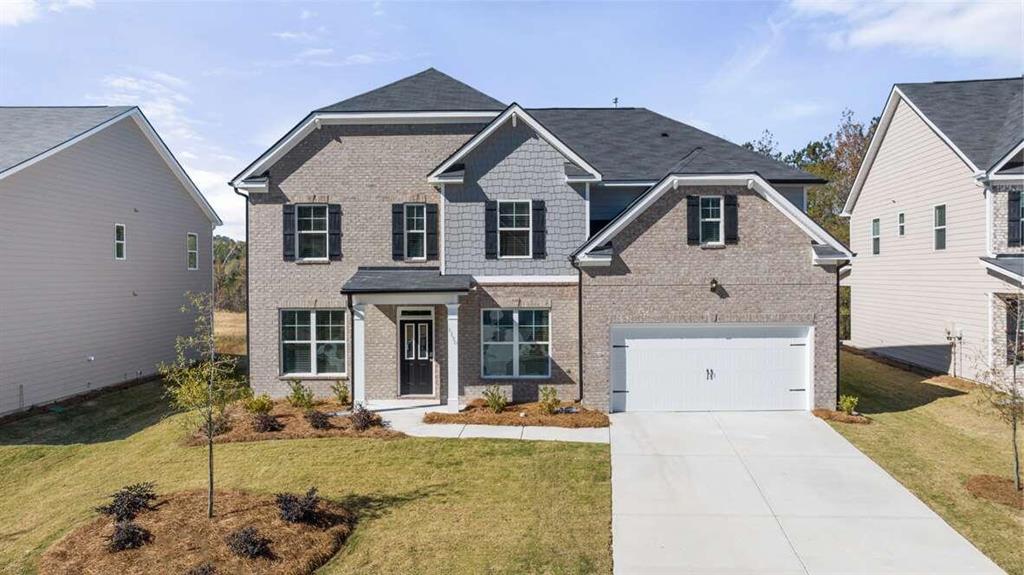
(359,354)
(453,357)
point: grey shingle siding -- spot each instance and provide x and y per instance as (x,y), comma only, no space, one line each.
(27,132)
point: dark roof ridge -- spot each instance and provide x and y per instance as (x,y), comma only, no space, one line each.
(960,81)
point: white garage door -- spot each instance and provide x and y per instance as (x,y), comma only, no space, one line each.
(710,367)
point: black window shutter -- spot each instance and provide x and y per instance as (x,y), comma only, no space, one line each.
(732,224)
(334,231)
(491,230)
(540,247)
(431,231)
(693,220)
(1013,215)
(288,228)
(397,231)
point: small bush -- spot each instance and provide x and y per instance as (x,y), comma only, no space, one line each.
(247,542)
(340,389)
(495,399)
(206,568)
(318,419)
(549,400)
(127,535)
(265,423)
(258,405)
(300,396)
(129,501)
(363,419)
(848,403)
(298,508)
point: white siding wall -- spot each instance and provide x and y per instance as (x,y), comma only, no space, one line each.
(904,299)
(63,297)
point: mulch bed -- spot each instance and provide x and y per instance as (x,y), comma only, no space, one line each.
(841,417)
(998,489)
(183,537)
(527,414)
(294,425)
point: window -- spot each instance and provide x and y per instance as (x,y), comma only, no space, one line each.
(415,231)
(901,224)
(313,342)
(1014,333)
(711,220)
(192,250)
(516,343)
(312,232)
(940,227)
(119,242)
(876,240)
(514,229)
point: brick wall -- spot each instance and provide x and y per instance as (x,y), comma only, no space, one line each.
(1000,218)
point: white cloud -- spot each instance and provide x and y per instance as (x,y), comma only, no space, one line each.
(294,36)
(61,5)
(378,8)
(965,29)
(306,14)
(16,12)
(748,57)
(316,52)
(798,110)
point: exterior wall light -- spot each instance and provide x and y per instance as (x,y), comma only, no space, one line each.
(714,285)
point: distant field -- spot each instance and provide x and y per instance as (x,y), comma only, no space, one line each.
(229,330)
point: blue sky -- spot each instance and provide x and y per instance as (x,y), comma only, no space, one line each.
(221,81)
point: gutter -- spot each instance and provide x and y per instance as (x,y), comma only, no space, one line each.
(579,332)
(839,269)
(248,315)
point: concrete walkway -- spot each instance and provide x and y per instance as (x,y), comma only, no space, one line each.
(407,416)
(771,492)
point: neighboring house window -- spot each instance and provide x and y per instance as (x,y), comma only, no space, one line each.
(516,343)
(711,220)
(415,232)
(313,342)
(120,244)
(192,250)
(514,227)
(901,224)
(311,225)
(940,227)
(1014,334)
(876,240)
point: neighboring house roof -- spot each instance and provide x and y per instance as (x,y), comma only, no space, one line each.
(1011,265)
(391,279)
(32,134)
(428,91)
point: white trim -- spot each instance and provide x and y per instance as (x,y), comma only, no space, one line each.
(629,183)
(586,211)
(936,227)
(189,251)
(406,232)
(312,341)
(529,229)
(441,228)
(720,220)
(515,343)
(123,242)
(359,354)
(901,224)
(453,356)
(326,233)
(989,220)
(1005,159)
(876,235)
(432,356)
(514,112)
(1006,178)
(404,308)
(497,280)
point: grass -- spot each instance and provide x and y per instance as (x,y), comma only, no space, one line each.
(932,435)
(229,332)
(425,505)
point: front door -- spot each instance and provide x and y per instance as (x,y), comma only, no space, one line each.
(417,350)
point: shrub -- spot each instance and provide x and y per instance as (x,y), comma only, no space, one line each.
(206,568)
(127,535)
(363,419)
(318,419)
(495,399)
(340,389)
(247,542)
(848,403)
(298,508)
(258,405)
(300,396)
(264,423)
(128,501)
(549,400)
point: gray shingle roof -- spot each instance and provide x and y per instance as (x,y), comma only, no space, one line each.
(638,144)
(1013,263)
(29,131)
(396,280)
(430,90)
(984,118)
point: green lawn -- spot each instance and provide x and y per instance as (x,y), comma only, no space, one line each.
(426,505)
(932,437)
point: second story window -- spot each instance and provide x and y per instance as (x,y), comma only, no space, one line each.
(192,251)
(876,240)
(415,231)
(711,220)
(514,229)
(311,225)
(120,242)
(901,224)
(940,227)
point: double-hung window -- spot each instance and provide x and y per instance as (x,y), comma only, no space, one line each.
(939,227)
(901,224)
(313,342)
(415,231)
(120,242)
(192,250)
(514,229)
(876,239)
(516,343)
(711,220)
(311,225)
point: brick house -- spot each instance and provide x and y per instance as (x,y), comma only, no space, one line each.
(426,240)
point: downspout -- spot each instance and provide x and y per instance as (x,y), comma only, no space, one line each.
(839,269)
(248,315)
(579,328)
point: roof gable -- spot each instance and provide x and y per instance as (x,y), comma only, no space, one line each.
(429,90)
(31,131)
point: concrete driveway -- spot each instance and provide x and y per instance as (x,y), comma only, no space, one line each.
(766,492)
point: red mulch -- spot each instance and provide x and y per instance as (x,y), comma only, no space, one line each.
(998,489)
(526,414)
(841,417)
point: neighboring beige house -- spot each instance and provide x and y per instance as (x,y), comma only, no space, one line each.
(935,222)
(424,240)
(102,234)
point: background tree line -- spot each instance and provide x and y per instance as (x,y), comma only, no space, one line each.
(230,264)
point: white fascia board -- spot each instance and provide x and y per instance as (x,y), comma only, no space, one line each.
(493,280)
(581,179)
(317,119)
(629,183)
(412,298)
(1003,272)
(1006,178)
(514,110)
(1003,161)
(590,261)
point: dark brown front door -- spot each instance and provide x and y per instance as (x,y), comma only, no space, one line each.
(416,351)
